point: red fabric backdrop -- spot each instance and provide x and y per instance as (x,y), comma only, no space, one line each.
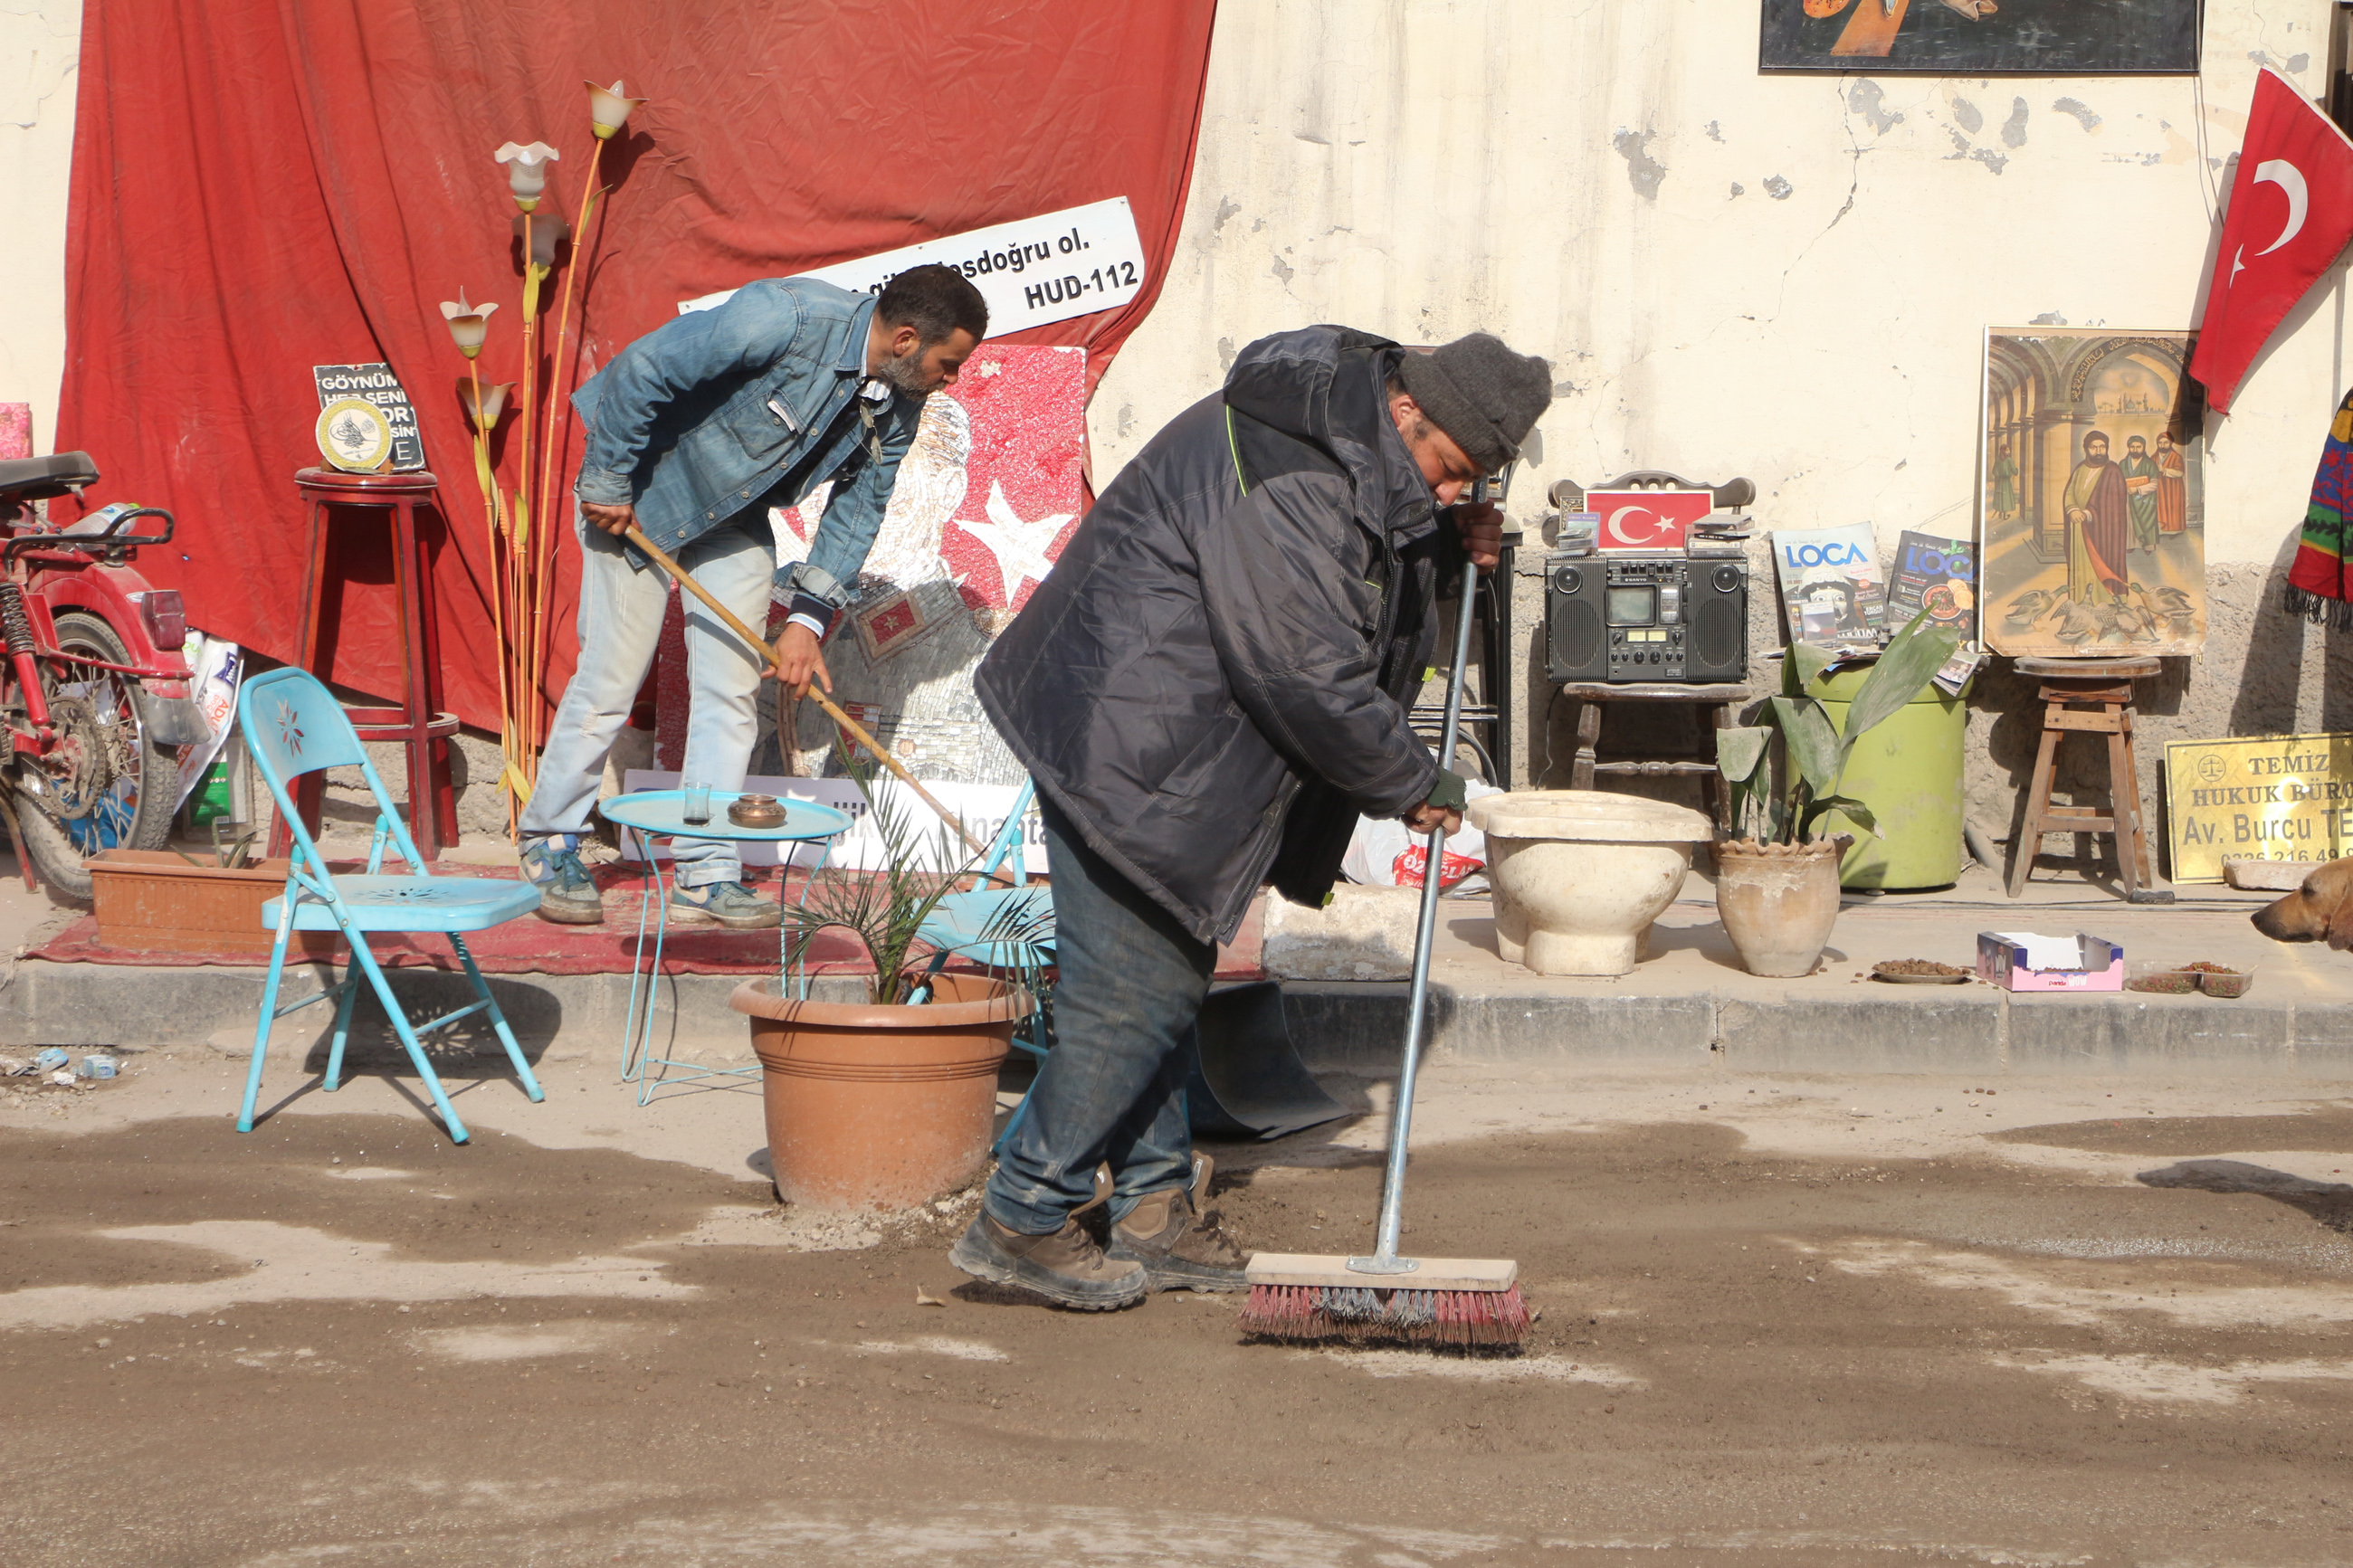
(264,185)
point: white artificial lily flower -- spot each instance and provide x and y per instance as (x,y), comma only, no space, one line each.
(608,111)
(526,170)
(469,324)
(494,401)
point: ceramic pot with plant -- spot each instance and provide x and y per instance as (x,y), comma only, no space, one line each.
(889,1101)
(1777,889)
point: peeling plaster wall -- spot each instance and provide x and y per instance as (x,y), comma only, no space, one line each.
(1783,277)
(40,42)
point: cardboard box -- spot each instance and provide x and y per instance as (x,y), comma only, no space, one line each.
(2002,959)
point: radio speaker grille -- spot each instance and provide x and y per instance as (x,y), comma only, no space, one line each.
(1719,622)
(1574,631)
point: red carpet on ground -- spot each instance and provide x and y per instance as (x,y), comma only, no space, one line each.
(533,946)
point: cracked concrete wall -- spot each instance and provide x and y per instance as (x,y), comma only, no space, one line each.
(1782,277)
(39,43)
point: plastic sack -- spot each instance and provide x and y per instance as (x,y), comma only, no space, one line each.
(1384,853)
(216,666)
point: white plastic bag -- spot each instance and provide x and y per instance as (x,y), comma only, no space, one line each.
(1382,853)
(218,667)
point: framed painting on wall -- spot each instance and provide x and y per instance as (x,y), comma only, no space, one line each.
(2092,522)
(1974,37)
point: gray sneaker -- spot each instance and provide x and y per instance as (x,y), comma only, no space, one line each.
(729,904)
(567,894)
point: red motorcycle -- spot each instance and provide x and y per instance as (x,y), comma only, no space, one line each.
(95,689)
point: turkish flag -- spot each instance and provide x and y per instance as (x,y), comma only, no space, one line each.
(2291,216)
(1646,519)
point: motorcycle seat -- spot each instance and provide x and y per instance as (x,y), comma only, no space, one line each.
(40,479)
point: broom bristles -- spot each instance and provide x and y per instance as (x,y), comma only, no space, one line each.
(1360,1314)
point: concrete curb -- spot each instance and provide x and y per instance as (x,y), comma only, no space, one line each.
(1339,1026)
(557,1017)
(1975,1030)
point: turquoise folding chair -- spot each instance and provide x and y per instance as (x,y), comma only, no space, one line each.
(294,726)
(970,926)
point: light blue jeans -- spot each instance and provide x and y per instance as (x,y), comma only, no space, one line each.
(621,614)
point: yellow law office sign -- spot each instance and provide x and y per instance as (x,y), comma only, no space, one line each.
(2267,797)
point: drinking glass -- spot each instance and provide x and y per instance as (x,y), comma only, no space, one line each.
(694,806)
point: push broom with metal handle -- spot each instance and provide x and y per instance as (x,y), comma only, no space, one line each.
(1420,1301)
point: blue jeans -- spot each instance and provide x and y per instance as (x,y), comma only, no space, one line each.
(1113,1087)
(620,624)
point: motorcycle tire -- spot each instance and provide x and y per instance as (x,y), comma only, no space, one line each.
(127,794)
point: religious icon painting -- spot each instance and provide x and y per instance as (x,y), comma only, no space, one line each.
(1971,37)
(2092,526)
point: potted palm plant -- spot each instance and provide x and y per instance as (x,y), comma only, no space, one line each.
(886,1102)
(1777,889)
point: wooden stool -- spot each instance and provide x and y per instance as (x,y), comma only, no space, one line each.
(415,723)
(1591,694)
(2093,695)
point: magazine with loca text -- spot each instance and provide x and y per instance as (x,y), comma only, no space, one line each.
(1939,575)
(1830,584)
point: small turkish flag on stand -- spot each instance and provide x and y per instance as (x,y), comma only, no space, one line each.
(2291,216)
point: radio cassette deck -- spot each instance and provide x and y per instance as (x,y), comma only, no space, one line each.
(1647,617)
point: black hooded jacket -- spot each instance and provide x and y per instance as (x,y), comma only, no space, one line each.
(1211,684)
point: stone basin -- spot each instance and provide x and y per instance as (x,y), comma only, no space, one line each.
(1579,874)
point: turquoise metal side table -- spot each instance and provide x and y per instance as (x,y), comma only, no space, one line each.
(649,815)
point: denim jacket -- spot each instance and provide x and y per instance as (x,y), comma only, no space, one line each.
(703,414)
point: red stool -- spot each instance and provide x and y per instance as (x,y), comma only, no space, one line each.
(417,724)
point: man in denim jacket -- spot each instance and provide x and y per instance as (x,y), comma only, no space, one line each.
(694,432)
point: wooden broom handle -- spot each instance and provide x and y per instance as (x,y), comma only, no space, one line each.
(857,731)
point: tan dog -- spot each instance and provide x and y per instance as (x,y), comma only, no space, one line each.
(2322,908)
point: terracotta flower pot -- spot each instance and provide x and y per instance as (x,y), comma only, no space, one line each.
(1778,901)
(872,1107)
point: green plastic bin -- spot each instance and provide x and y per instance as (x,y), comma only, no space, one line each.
(1908,770)
(212,799)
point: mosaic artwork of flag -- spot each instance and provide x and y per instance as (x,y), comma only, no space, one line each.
(1023,443)
(1021,492)
(985,499)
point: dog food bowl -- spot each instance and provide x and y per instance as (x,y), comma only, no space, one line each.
(1920,972)
(2166,978)
(2226,984)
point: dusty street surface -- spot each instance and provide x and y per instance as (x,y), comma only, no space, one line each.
(1783,1321)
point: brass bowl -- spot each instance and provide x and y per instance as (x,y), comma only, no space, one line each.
(757,811)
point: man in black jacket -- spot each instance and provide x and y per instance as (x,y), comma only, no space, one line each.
(1209,689)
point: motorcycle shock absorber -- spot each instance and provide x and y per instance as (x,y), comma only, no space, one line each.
(17,629)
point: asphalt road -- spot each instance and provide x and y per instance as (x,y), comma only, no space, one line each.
(1783,1320)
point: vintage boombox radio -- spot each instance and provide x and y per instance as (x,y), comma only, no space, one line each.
(1646,617)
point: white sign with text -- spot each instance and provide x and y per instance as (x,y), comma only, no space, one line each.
(1032,272)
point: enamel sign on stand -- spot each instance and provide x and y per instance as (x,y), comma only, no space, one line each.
(1031,272)
(2258,797)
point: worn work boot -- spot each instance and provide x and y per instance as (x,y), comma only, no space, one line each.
(730,904)
(1065,1266)
(567,893)
(1181,1247)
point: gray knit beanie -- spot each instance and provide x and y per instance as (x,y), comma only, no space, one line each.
(1481,394)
